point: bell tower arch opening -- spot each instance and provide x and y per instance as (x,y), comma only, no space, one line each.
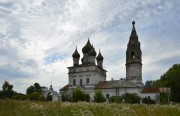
(132,55)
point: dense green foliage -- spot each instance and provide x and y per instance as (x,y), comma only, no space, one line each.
(34,88)
(19,96)
(150,84)
(37,108)
(65,97)
(131,98)
(126,98)
(78,95)
(7,90)
(34,92)
(99,97)
(117,99)
(148,100)
(172,79)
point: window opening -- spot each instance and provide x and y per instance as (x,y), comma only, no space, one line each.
(74,82)
(107,96)
(87,81)
(132,55)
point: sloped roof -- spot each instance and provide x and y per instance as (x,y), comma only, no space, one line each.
(65,88)
(116,84)
(150,90)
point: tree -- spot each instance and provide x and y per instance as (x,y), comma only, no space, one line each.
(78,95)
(171,79)
(37,87)
(34,92)
(30,90)
(7,90)
(34,88)
(150,84)
(99,97)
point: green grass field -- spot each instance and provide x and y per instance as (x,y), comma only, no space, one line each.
(32,108)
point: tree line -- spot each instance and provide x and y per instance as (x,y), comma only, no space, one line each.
(33,92)
(170,79)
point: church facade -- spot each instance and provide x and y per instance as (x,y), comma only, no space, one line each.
(90,75)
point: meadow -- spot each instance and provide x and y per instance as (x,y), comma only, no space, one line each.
(38,108)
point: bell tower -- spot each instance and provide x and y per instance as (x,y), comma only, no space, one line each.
(133,58)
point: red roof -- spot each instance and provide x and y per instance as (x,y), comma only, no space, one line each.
(65,88)
(150,90)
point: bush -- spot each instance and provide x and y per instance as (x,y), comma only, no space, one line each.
(99,97)
(78,95)
(19,96)
(65,97)
(148,100)
(131,98)
(116,99)
(35,96)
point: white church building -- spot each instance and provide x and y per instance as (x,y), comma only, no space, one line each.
(90,75)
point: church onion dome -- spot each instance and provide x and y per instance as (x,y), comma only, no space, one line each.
(92,51)
(76,54)
(99,57)
(87,47)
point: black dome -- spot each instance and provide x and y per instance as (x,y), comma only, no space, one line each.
(76,54)
(99,57)
(92,51)
(87,47)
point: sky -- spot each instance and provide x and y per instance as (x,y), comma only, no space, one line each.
(38,37)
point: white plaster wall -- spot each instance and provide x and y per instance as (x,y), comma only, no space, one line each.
(151,95)
(120,91)
(112,92)
(94,78)
(91,72)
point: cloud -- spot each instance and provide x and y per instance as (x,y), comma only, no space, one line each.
(37,38)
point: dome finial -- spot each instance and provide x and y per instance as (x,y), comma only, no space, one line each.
(133,28)
(133,22)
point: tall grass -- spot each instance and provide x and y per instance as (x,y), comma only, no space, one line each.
(35,108)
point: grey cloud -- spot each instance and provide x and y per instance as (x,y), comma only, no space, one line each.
(34,30)
(11,72)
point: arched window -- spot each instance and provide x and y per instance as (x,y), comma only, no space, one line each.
(132,55)
(74,82)
(87,81)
